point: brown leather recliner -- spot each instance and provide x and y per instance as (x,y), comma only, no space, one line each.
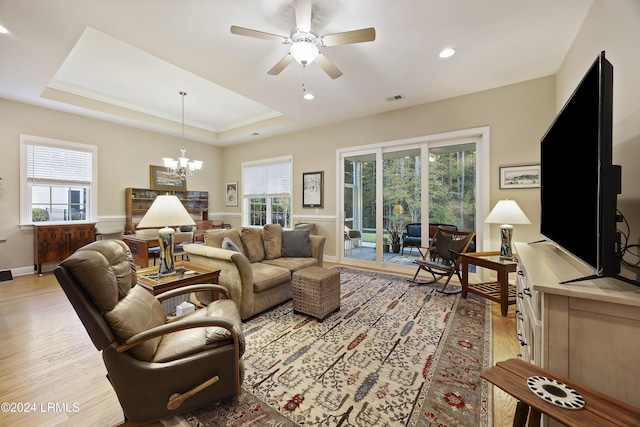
(158,368)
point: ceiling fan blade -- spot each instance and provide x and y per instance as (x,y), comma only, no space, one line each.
(281,65)
(349,37)
(258,34)
(327,66)
(303,14)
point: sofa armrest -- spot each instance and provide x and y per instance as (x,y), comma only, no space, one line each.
(236,274)
(317,248)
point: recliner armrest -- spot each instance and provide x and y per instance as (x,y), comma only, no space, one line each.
(178,325)
(191,288)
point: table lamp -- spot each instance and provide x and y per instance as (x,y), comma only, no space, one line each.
(166,211)
(506,212)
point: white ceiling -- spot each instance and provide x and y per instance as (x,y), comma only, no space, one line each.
(127,60)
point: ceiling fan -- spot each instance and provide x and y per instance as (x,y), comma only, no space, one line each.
(306,42)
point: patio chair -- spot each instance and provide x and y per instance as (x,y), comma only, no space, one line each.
(442,258)
(352,238)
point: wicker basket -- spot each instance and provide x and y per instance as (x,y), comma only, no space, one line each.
(316,291)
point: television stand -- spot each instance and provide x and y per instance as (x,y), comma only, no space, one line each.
(595,277)
(588,333)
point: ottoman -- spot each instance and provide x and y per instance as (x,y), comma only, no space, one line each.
(316,291)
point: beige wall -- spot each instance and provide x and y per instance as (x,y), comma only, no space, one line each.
(124,156)
(613,26)
(518,115)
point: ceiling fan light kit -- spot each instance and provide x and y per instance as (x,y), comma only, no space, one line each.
(305,43)
(304,52)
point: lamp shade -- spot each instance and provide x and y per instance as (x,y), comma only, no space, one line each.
(507,212)
(166,210)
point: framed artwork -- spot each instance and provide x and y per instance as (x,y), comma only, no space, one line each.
(526,176)
(163,180)
(313,189)
(231,193)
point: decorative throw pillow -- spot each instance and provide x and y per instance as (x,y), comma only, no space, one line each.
(228,244)
(272,239)
(214,238)
(253,246)
(296,243)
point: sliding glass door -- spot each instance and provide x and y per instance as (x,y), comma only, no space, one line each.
(391,194)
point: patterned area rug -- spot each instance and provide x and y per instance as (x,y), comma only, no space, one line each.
(396,354)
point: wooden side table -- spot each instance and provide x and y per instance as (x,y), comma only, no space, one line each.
(599,409)
(139,246)
(148,278)
(498,291)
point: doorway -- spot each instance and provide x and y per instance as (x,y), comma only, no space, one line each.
(393,191)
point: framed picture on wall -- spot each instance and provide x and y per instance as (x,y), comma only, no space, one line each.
(231,193)
(526,176)
(163,180)
(312,189)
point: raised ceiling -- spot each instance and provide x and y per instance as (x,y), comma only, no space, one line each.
(126,61)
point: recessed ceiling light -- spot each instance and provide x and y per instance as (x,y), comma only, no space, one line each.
(3,30)
(447,52)
(308,96)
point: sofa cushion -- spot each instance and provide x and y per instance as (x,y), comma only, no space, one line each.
(296,243)
(292,264)
(272,239)
(267,276)
(214,238)
(253,246)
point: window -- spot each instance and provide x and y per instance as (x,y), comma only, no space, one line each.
(59,180)
(266,191)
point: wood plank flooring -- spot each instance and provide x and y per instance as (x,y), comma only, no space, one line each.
(54,376)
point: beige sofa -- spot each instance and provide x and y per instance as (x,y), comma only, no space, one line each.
(256,263)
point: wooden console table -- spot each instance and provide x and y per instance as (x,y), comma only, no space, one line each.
(54,243)
(599,409)
(498,291)
(139,246)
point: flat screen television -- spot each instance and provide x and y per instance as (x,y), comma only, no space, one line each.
(579,184)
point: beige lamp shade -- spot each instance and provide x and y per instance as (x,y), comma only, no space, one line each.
(166,211)
(507,212)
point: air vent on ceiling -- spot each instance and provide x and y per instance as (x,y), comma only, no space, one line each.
(395,98)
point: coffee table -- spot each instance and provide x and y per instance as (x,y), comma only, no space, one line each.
(498,291)
(187,273)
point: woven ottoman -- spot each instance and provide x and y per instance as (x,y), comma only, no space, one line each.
(316,291)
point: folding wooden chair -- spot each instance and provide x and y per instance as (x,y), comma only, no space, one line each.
(442,258)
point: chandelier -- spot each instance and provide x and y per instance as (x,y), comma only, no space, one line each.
(182,168)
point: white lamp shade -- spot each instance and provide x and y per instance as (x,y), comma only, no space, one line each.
(166,210)
(507,212)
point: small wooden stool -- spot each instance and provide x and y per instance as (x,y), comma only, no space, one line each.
(599,409)
(316,291)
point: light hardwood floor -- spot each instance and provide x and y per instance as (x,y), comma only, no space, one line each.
(49,367)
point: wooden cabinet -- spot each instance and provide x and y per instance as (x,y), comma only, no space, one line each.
(587,331)
(138,201)
(53,243)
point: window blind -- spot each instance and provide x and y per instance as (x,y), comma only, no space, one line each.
(55,164)
(266,179)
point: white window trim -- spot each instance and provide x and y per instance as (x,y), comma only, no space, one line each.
(25,204)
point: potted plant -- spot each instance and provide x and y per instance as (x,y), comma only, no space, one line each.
(395,233)
(386,242)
